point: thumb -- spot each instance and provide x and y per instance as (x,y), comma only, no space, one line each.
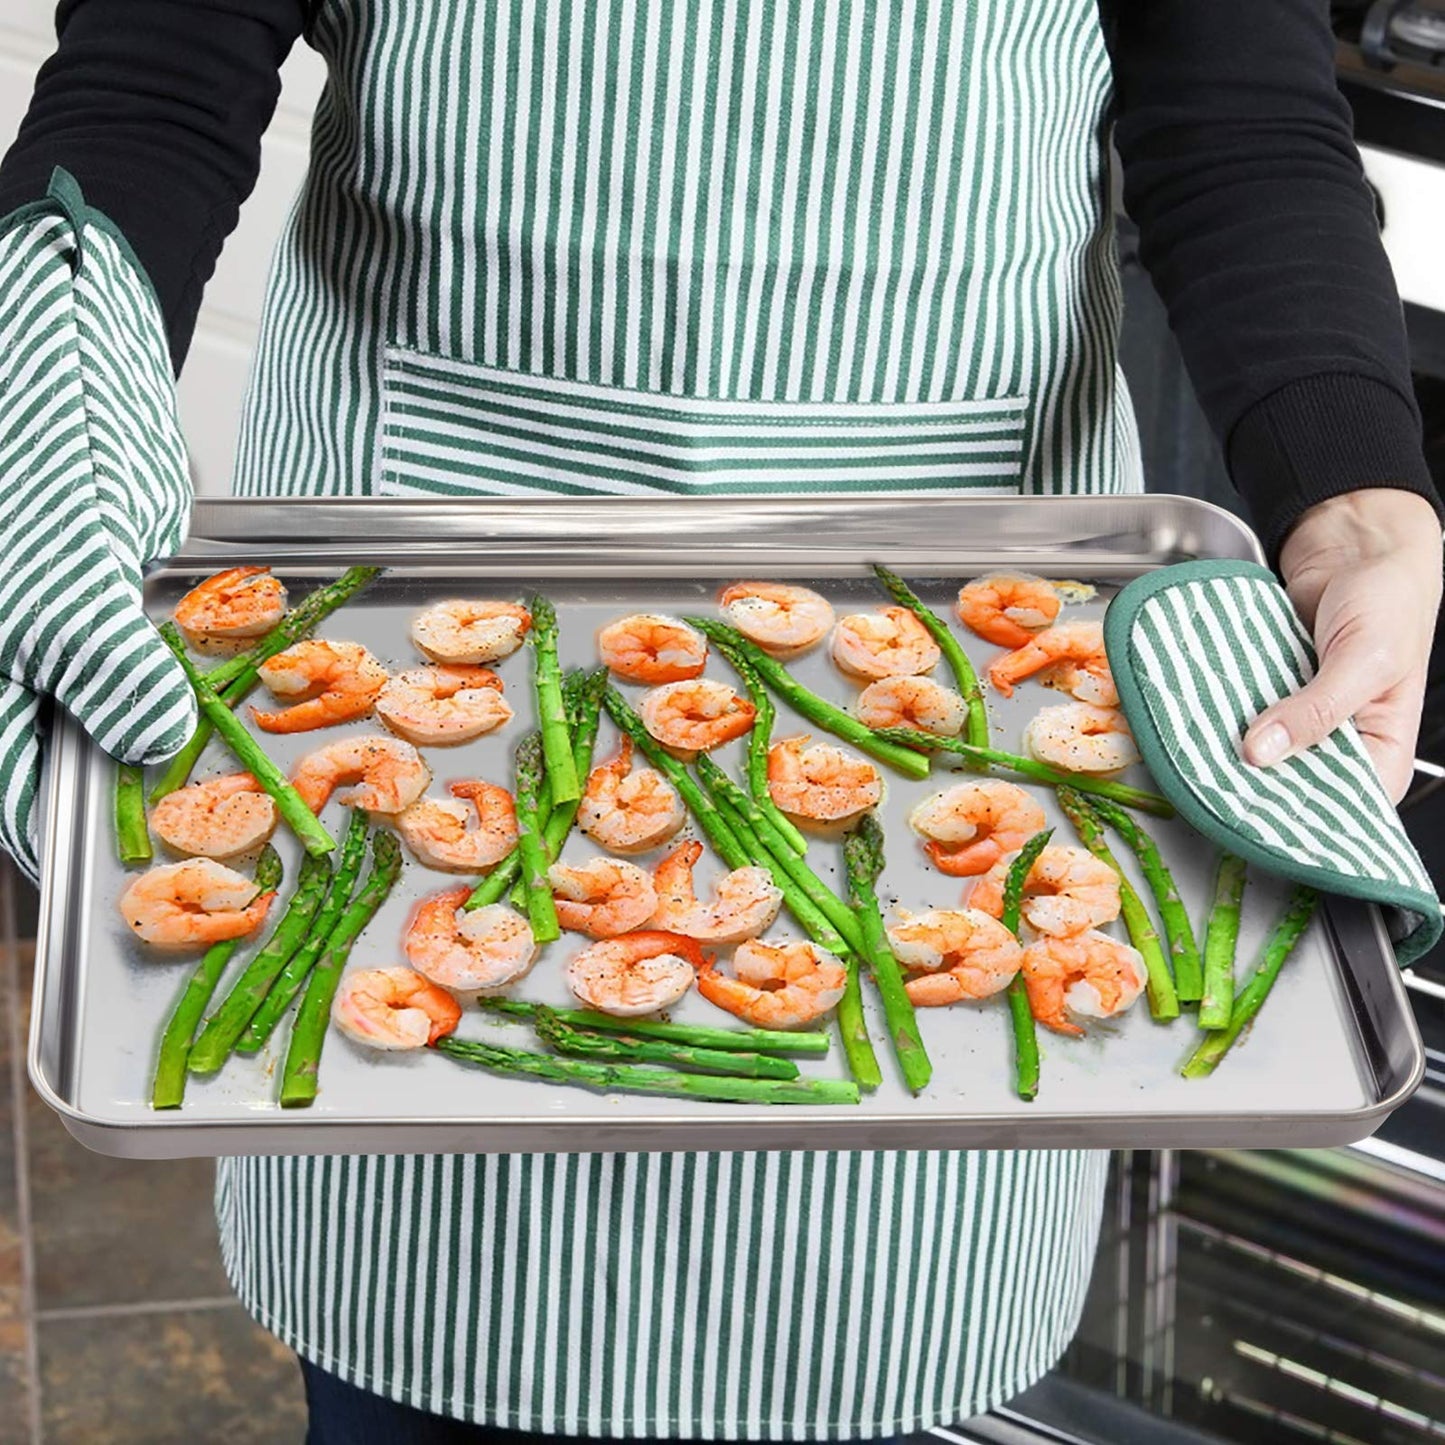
(1353,672)
(112,670)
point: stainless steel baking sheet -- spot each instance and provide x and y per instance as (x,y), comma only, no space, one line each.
(1334,1051)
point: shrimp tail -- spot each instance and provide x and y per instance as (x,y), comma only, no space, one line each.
(966,862)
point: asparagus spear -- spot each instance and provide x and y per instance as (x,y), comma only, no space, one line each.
(561,1036)
(976,730)
(178,771)
(582,693)
(863,854)
(1025,1031)
(759,740)
(1183,950)
(507,874)
(132,836)
(541,909)
(232,680)
(303,822)
(984,758)
(225,1026)
(303,1057)
(731,643)
(556,823)
(169,1085)
(702,1036)
(551,710)
(710,818)
(1163,1000)
(518,895)
(586,713)
(788,869)
(287,985)
(852,1025)
(1221,940)
(1287,932)
(625,1078)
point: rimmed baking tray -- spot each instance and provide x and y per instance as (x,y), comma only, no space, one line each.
(1335,1050)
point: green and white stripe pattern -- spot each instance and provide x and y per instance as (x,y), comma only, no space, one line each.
(449,424)
(748,211)
(93,485)
(1198,651)
(728,1296)
(631,246)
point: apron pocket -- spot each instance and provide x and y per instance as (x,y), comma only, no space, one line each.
(456,428)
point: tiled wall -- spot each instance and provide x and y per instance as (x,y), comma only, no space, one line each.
(215,374)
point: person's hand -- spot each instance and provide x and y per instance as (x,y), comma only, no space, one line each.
(1364,571)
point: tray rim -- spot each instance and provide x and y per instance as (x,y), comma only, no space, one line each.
(794,1127)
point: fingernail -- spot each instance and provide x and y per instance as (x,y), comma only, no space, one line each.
(1270,745)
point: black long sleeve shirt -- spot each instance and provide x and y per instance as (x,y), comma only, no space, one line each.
(1239,169)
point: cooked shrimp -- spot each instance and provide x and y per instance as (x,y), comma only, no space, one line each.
(777,985)
(958,953)
(639,973)
(335,682)
(1081,739)
(626,811)
(486,949)
(648,647)
(913,702)
(694,717)
(461,630)
(239,602)
(744,903)
(1070,657)
(391,773)
(970,826)
(393,1008)
(217,818)
(446,703)
(890,642)
(782,619)
(193,904)
(1087,973)
(1067,891)
(442,833)
(819,782)
(1085,683)
(603,897)
(1008,607)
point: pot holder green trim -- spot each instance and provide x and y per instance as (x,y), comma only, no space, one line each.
(1197,651)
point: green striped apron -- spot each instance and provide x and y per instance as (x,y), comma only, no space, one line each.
(639,246)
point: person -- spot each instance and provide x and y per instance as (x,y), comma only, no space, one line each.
(565,247)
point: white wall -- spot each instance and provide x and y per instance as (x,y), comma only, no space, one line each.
(215,374)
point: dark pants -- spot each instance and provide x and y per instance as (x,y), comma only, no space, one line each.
(341,1414)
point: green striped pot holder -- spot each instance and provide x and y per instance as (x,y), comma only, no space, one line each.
(1197,651)
(93,487)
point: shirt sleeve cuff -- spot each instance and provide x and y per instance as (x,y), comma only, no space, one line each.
(1319,437)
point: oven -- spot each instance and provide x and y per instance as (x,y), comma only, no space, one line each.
(1288,1297)
(1266,1298)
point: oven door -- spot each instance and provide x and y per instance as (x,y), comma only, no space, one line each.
(1274,1298)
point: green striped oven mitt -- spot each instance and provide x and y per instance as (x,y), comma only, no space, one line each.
(93,485)
(1197,651)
